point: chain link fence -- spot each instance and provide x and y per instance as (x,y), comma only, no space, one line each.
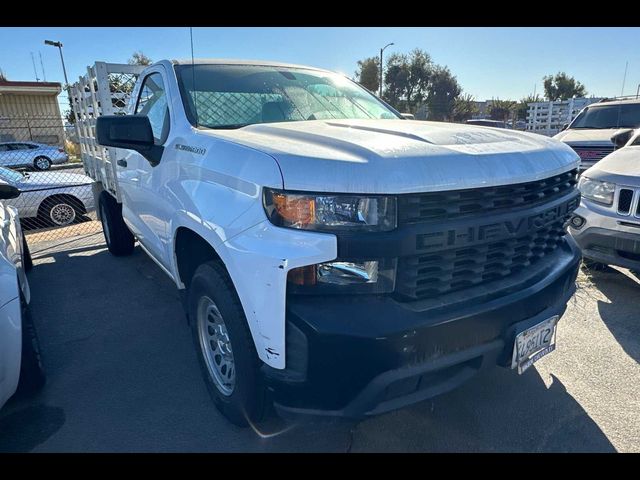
(42,158)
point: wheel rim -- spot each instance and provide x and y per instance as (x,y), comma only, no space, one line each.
(105,225)
(62,214)
(42,163)
(216,346)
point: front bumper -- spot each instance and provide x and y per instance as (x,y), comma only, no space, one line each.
(357,356)
(608,238)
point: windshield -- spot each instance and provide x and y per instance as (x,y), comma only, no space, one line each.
(612,116)
(10,176)
(233,96)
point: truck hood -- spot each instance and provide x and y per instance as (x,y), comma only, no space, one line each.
(401,156)
(596,136)
(621,167)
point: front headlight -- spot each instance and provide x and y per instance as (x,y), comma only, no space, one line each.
(330,212)
(597,191)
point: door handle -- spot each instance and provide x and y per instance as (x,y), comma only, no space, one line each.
(122,163)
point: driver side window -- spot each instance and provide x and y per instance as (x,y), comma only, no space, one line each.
(152,103)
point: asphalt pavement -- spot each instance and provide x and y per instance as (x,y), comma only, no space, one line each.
(123,376)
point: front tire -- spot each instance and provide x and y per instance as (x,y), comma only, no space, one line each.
(226,352)
(42,163)
(60,211)
(118,237)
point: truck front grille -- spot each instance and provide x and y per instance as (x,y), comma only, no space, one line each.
(592,154)
(455,253)
(431,275)
(438,206)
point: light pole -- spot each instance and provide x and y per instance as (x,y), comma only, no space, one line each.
(59,45)
(638,91)
(381,51)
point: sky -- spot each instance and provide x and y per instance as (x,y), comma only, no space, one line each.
(489,62)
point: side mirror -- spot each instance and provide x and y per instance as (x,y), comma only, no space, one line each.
(621,138)
(132,132)
(408,116)
(564,127)
(8,192)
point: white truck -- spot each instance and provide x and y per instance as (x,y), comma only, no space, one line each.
(590,133)
(335,258)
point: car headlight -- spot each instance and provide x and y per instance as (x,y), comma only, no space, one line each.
(330,212)
(597,191)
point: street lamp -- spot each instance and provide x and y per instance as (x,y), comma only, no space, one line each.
(59,45)
(382,50)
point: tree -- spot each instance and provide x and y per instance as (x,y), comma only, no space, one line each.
(464,107)
(3,77)
(503,110)
(368,73)
(443,90)
(523,105)
(139,58)
(562,87)
(406,79)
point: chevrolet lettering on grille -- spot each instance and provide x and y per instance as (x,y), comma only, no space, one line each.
(471,235)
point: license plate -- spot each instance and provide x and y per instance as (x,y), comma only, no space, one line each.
(534,343)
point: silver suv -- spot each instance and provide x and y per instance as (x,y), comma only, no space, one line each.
(607,223)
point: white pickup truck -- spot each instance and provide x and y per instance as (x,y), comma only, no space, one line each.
(335,258)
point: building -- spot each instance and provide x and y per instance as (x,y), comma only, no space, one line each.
(29,111)
(482,110)
(548,118)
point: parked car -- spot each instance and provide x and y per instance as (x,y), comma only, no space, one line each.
(332,254)
(20,362)
(590,133)
(485,122)
(50,197)
(30,154)
(607,223)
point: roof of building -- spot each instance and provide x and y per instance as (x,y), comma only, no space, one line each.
(41,88)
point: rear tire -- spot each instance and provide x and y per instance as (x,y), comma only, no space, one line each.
(118,237)
(211,294)
(42,163)
(32,376)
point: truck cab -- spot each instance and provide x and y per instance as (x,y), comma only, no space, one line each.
(335,258)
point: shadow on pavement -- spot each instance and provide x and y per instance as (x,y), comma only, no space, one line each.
(621,314)
(24,429)
(122,367)
(498,411)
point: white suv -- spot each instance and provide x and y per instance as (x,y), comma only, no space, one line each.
(607,223)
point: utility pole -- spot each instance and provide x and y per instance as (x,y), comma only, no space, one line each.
(381,67)
(59,45)
(34,67)
(44,75)
(624,79)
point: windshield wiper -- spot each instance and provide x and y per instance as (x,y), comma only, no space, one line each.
(231,126)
